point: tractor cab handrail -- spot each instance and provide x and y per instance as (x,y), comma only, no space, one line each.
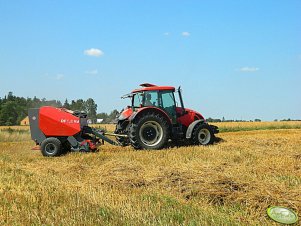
(128,95)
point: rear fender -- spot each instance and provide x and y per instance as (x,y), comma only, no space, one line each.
(144,110)
(192,126)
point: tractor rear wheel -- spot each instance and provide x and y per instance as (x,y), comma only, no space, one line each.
(51,147)
(203,135)
(150,131)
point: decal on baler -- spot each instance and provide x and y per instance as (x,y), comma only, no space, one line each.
(69,121)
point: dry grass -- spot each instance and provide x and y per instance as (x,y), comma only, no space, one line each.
(248,126)
(14,134)
(14,127)
(224,126)
(230,183)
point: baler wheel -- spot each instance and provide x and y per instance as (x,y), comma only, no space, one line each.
(51,147)
(203,135)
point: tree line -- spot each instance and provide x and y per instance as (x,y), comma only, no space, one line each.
(230,120)
(241,120)
(13,109)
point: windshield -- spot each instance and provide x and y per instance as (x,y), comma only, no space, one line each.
(161,99)
(168,100)
(137,100)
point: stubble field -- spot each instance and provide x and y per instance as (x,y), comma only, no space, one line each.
(255,165)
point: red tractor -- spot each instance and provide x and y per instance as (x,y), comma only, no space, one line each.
(154,118)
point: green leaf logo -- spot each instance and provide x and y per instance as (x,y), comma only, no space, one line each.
(282,215)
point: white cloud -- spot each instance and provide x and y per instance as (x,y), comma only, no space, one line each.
(59,76)
(248,69)
(166,33)
(93,52)
(92,72)
(185,33)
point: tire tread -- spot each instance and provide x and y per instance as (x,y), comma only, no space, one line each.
(56,142)
(133,133)
(196,130)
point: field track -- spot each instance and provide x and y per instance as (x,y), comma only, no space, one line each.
(229,183)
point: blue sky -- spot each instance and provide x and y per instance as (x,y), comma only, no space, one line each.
(237,59)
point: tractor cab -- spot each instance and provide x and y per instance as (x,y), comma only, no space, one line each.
(154,118)
(155,97)
(162,98)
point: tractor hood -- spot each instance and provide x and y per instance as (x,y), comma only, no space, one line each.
(125,114)
(188,116)
(190,111)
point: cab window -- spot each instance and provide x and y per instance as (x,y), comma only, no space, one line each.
(137,100)
(151,99)
(168,103)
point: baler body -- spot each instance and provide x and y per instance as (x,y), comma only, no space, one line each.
(54,122)
(57,130)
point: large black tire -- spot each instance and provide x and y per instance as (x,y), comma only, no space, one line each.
(51,147)
(150,131)
(120,129)
(203,135)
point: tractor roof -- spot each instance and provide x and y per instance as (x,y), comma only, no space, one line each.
(151,87)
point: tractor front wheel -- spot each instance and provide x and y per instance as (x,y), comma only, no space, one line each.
(51,147)
(150,131)
(203,135)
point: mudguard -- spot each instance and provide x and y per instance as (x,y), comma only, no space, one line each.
(144,109)
(194,124)
(191,127)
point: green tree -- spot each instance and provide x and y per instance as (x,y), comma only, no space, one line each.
(13,109)
(9,113)
(103,116)
(10,96)
(78,105)
(113,115)
(66,104)
(91,109)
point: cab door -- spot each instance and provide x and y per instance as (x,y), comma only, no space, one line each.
(168,104)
